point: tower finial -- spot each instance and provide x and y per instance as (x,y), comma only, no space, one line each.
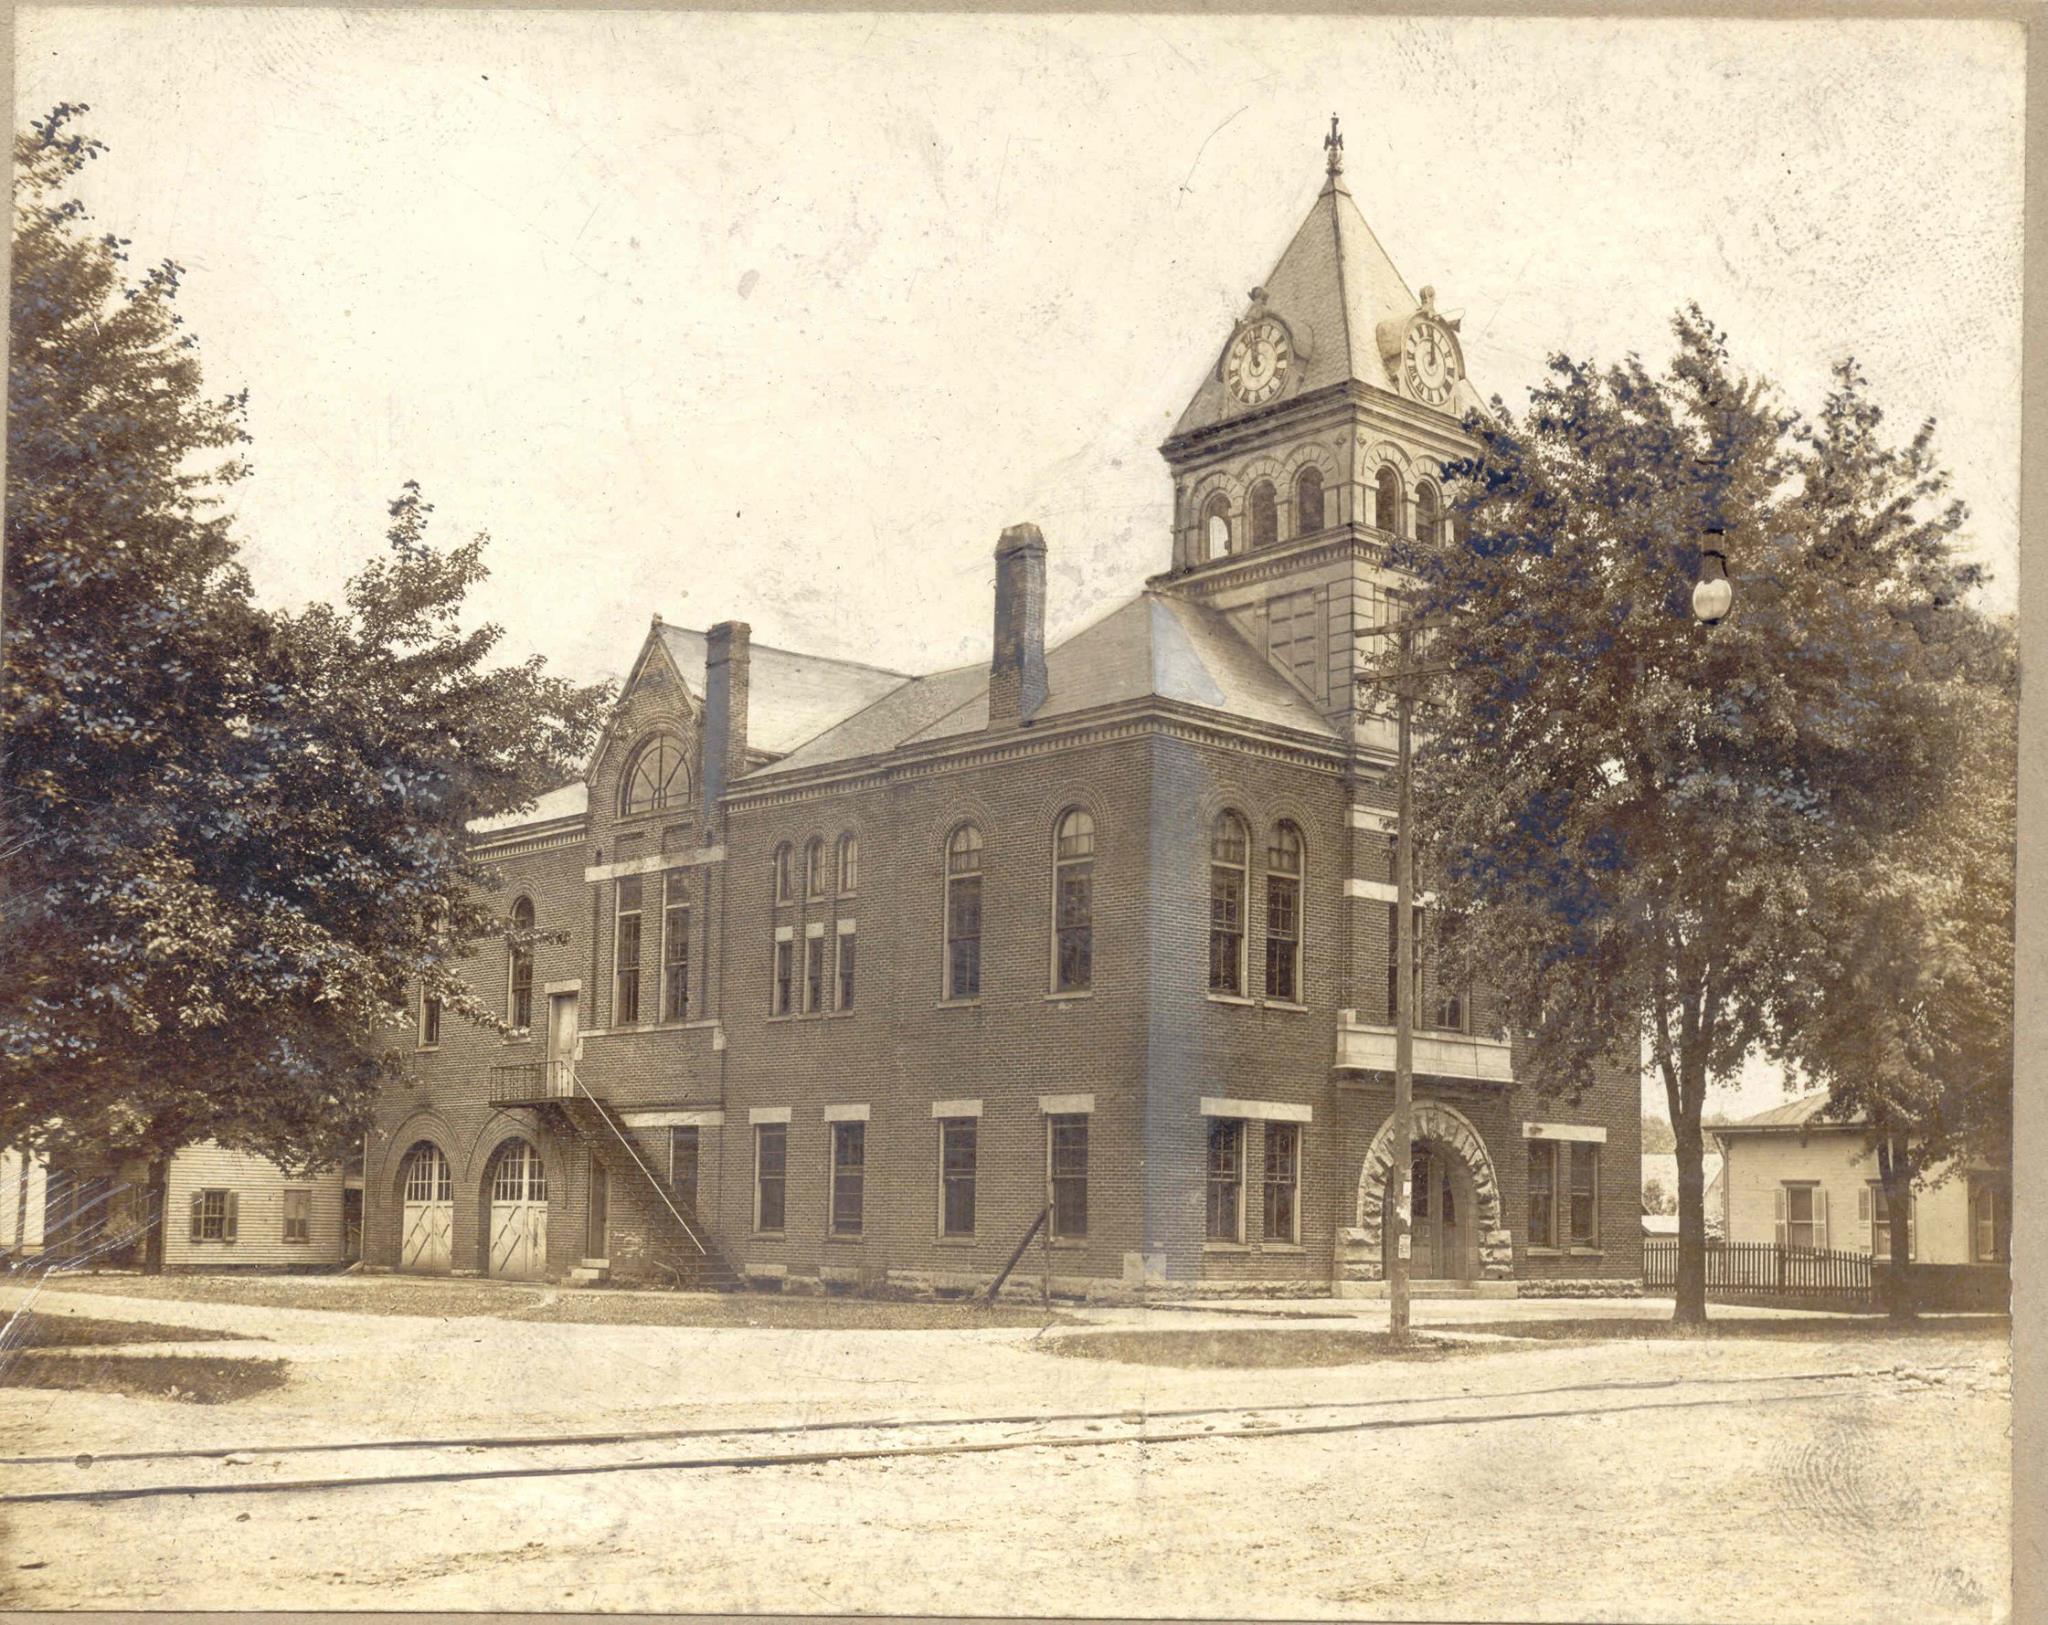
(1333,144)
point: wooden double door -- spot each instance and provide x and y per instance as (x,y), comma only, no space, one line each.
(1443,1245)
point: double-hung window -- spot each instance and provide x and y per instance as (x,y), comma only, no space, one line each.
(1877,1208)
(298,1215)
(849,1177)
(1802,1215)
(214,1215)
(675,947)
(626,953)
(430,1021)
(848,947)
(963,913)
(814,968)
(958,1138)
(1585,1193)
(1074,903)
(1067,1170)
(519,969)
(1283,915)
(771,1175)
(1543,1228)
(1283,1182)
(1228,847)
(1564,1193)
(1226,1180)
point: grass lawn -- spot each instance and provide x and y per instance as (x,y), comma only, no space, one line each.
(189,1377)
(28,1330)
(1806,1328)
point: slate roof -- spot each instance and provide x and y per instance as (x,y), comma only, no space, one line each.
(567,801)
(790,696)
(1156,645)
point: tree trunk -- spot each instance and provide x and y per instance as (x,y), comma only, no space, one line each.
(1690,1308)
(1895,1168)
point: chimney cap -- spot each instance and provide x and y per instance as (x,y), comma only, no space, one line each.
(1020,539)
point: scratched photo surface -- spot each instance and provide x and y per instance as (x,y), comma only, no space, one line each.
(1078,815)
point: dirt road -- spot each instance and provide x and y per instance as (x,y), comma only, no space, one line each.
(1831,1480)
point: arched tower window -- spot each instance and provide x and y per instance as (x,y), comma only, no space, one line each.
(1228,848)
(849,864)
(1216,527)
(1386,500)
(784,863)
(814,867)
(658,777)
(1308,501)
(963,913)
(1073,890)
(519,969)
(1265,515)
(1283,914)
(1428,515)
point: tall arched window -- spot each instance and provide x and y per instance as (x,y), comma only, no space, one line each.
(849,864)
(519,969)
(1228,846)
(1265,514)
(1216,526)
(1283,914)
(1428,514)
(814,867)
(963,913)
(1386,500)
(1308,502)
(1073,889)
(659,776)
(784,861)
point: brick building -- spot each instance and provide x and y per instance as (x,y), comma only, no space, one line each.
(864,971)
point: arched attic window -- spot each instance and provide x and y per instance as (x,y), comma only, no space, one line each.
(659,776)
(1386,500)
(1308,501)
(1265,514)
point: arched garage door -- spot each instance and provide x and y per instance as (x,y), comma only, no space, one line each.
(427,1213)
(519,1214)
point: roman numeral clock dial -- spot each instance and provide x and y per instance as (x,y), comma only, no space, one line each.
(1429,358)
(1256,365)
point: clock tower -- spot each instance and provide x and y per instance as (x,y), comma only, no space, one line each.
(1316,438)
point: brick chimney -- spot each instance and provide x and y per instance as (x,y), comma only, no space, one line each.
(725,710)
(1016,670)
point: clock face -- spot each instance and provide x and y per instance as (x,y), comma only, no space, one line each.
(1256,365)
(1429,362)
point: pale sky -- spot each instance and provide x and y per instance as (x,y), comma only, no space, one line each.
(784,318)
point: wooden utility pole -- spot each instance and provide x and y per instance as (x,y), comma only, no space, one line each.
(1404,989)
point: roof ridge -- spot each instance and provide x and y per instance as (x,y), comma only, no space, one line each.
(799,654)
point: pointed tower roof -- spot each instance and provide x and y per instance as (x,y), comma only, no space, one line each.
(1334,288)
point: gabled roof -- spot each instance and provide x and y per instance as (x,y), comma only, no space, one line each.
(790,696)
(1332,287)
(1801,1113)
(1157,645)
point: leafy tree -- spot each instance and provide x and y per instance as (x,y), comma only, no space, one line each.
(1630,812)
(1657,1136)
(1902,1003)
(234,836)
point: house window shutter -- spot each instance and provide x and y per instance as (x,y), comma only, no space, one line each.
(1820,1218)
(1778,1212)
(234,1204)
(198,1215)
(1863,1205)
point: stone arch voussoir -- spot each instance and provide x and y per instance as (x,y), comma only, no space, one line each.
(1359,1247)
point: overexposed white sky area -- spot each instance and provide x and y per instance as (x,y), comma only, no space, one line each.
(784,318)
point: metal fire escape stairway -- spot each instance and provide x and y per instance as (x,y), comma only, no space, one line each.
(690,1256)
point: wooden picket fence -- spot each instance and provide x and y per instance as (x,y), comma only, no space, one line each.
(1760,1269)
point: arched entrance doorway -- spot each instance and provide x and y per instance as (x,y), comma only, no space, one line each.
(1458,1234)
(426,1212)
(1444,1244)
(518,1228)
